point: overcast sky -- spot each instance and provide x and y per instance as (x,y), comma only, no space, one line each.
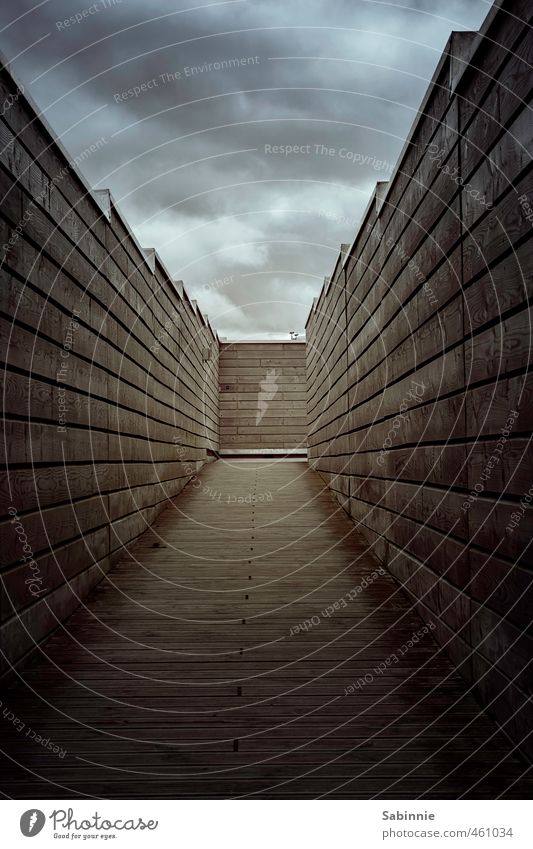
(191,158)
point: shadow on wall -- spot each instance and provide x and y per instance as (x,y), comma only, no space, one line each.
(420,420)
(111,402)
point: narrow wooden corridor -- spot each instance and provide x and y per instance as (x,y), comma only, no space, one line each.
(233,653)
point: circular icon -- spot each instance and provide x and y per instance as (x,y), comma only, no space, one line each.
(32,822)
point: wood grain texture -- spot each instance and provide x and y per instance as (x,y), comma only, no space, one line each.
(219,659)
(111,385)
(262,396)
(419,353)
(183,628)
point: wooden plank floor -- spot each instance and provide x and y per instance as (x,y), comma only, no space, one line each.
(183,674)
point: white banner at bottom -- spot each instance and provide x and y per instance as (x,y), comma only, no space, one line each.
(264,824)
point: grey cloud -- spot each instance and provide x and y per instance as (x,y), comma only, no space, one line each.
(273,222)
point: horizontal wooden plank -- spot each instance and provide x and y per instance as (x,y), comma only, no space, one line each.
(155,675)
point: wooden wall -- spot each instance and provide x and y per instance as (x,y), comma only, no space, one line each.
(262,396)
(420,403)
(110,381)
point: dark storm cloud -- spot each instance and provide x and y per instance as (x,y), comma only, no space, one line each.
(200,106)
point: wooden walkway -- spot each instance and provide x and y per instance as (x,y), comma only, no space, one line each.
(185,673)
